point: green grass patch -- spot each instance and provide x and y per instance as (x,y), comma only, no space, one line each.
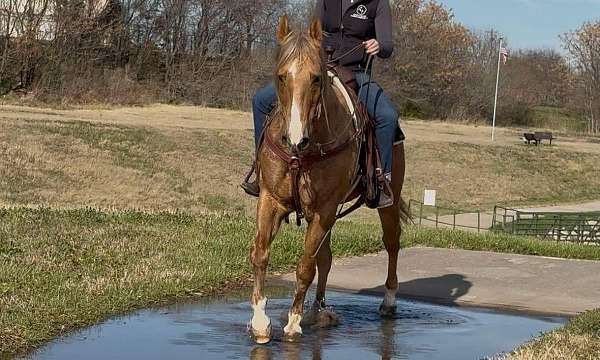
(61,270)
(587,323)
(579,339)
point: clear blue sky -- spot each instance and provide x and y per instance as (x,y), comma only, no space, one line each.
(526,23)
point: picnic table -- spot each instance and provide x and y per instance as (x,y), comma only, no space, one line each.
(538,137)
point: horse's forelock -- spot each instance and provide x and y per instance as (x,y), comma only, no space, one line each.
(298,46)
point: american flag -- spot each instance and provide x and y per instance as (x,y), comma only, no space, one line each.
(504,54)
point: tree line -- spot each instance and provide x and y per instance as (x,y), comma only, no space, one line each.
(218,52)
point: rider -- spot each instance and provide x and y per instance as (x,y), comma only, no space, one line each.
(346,24)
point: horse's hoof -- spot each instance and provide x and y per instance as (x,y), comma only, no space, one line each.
(292,337)
(262,340)
(262,336)
(387,311)
(293,327)
(326,318)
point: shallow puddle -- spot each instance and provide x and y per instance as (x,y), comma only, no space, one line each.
(217,330)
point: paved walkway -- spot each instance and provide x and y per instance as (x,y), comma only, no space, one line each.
(472,278)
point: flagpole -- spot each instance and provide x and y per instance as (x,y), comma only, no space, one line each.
(496,96)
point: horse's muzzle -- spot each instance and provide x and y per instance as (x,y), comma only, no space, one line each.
(296,148)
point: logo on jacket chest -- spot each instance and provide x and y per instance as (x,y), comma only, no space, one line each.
(360,12)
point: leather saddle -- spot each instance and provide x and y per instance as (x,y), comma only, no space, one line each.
(370,178)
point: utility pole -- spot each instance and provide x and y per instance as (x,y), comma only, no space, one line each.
(497,83)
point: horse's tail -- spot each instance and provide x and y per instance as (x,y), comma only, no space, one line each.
(404,210)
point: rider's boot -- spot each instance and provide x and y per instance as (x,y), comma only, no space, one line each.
(251,187)
(386,197)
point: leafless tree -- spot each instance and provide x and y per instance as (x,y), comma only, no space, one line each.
(583,46)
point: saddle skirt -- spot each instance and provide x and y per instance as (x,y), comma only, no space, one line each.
(369,176)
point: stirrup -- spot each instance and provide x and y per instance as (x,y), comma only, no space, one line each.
(386,194)
(251,187)
(385,200)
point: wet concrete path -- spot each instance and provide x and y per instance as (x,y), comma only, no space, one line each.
(217,330)
(477,278)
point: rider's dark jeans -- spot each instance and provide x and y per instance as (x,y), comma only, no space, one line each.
(379,106)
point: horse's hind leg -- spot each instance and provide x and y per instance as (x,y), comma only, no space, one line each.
(390,221)
(323,266)
(392,229)
(319,314)
(269,217)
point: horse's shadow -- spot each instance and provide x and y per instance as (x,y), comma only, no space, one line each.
(445,289)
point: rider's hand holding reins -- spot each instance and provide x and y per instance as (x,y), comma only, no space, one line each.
(372,46)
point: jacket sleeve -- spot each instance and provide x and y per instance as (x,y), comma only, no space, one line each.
(320,10)
(383,29)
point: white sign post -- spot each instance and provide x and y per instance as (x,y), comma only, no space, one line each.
(429,198)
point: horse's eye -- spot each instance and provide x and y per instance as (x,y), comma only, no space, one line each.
(282,78)
(316,79)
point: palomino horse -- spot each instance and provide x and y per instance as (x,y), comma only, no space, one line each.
(312,118)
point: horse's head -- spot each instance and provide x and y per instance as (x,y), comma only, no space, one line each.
(299,81)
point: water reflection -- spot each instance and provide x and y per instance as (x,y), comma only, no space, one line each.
(387,339)
(321,338)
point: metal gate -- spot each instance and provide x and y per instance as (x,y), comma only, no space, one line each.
(559,226)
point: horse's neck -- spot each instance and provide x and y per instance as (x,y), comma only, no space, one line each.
(335,116)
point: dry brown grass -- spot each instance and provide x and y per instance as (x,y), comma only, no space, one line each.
(166,157)
(78,164)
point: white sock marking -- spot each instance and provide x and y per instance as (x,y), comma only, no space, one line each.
(389,299)
(293,325)
(260,320)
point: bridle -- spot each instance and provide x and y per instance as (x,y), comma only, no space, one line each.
(298,162)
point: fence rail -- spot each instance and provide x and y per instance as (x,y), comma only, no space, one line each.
(441,214)
(559,226)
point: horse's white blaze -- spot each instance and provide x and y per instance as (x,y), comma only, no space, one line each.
(295,130)
(389,300)
(260,320)
(293,325)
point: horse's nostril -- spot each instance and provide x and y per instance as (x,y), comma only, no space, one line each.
(303,143)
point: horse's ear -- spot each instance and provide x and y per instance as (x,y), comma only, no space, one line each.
(316,31)
(284,29)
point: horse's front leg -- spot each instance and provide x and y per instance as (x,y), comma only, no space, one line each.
(316,235)
(269,217)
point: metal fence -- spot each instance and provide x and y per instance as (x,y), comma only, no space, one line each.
(446,217)
(559,226)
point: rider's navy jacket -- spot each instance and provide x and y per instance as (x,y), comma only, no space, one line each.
(347,23)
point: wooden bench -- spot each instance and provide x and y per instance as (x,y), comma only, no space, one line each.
(538,137)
